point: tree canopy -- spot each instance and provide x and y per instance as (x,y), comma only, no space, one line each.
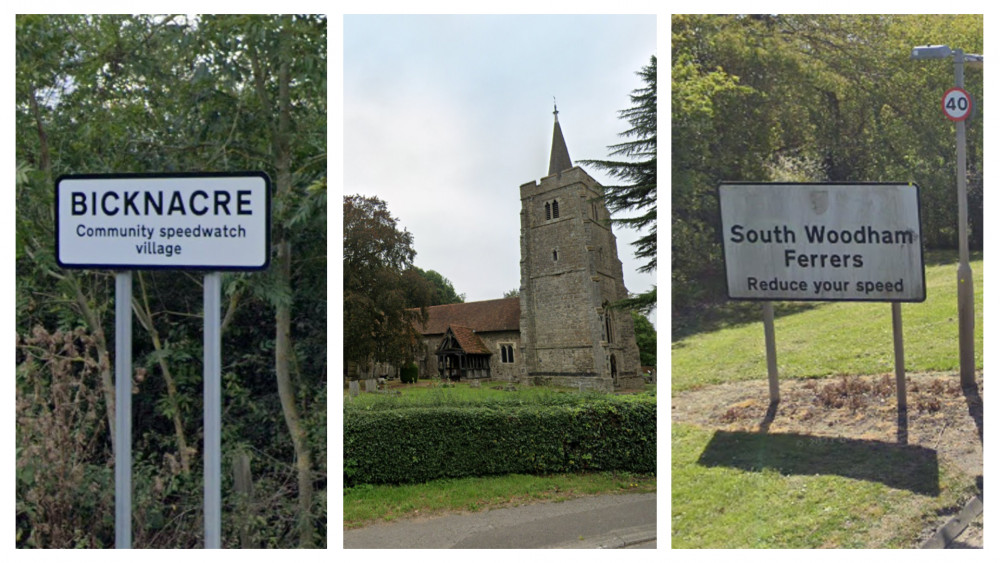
(377,310)
(811,98)
(439,288)
(645,338)
(161,93)
(637,168)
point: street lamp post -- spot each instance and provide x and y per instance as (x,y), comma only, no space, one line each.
(966,298)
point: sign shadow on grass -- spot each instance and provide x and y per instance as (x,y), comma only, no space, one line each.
(900,466)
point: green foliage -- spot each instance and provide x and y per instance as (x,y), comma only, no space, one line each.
(62,444)
(409,372)
(811,98)
(645,338)
(377,322)
(472,440)
(442,292)
(112,93)
(638,170)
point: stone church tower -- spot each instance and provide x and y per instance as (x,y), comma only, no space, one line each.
(570,273)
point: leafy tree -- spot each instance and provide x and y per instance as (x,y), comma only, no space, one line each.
(810,98)
(516,292)
(114,93)
(418,291)
(441,289)
(638,170)
(645,338)
(377,317)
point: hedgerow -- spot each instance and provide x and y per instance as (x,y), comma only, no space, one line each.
(420,444)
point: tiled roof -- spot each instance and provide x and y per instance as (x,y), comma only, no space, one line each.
(480,316)
(469,340)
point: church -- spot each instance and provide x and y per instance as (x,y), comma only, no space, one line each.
(560,329)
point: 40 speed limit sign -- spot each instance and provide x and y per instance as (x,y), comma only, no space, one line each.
(956,104)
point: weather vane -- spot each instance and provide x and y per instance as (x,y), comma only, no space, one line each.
(555,108)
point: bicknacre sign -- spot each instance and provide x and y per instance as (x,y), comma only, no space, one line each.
(822,242)
(177,221)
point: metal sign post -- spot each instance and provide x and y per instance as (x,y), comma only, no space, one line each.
(771,351)
(966,296)
(957,106)
(123,410)
(213,406)
(897,347)
(183,221)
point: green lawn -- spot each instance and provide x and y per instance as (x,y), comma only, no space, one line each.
(425,394)
(736,490)
(720,506)
(372,503)
(824,339)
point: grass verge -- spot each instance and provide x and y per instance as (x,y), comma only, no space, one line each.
(834,338)
(366,504)
(803,491)
(720,506)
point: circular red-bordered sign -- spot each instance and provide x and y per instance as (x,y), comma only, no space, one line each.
(956,104)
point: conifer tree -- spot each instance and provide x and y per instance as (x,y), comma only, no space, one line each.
(636,168)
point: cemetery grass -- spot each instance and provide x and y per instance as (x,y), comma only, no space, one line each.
(831,467)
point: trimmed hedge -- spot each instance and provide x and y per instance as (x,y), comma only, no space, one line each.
(474,440)
(409,373)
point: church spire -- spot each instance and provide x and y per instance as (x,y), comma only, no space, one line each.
(559,157)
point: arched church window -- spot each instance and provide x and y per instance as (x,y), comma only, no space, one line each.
(507,353)
(555,209)
(548,211)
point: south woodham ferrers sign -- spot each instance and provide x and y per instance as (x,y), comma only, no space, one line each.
(822,242)
(203,221)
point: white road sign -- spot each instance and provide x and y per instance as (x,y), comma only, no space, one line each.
(956,104)
(177,221)
(822,242)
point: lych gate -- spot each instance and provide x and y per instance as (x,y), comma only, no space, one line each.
(462,355)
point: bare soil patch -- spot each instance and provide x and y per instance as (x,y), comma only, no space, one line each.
(940,416)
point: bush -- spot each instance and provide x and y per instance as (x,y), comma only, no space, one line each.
(408,374)
(64,485)
(474,440)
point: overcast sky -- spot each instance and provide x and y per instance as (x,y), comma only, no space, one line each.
(446,116)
